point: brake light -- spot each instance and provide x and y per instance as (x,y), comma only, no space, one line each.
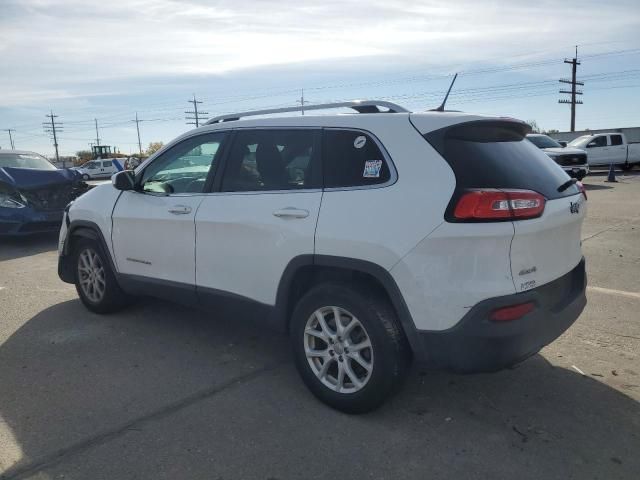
(582,189)
(493,204)
(512,312)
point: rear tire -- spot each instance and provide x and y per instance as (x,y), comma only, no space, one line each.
(356,366)
(94,279)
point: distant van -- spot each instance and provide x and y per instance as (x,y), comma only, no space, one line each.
(100,168)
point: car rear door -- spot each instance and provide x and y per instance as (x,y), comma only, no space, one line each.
(154,226)
(262,215)
(618,149)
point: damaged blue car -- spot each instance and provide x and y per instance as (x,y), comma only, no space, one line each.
(34,193)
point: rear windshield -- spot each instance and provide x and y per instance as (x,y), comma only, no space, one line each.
(496,154)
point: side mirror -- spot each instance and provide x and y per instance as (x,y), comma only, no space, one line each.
(124,180)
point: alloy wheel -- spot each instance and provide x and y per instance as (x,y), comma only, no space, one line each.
(338,349)
(91,275)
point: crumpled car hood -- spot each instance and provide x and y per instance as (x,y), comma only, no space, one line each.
(28,178)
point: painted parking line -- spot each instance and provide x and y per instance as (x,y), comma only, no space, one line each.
(610,291)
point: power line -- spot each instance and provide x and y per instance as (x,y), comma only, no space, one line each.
(137,120)
(573,92)
(195,113)
(97,134)
(13,147)
(301,101)
(53,128)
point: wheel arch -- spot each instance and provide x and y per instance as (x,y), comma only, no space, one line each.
(81,229)
(305,271)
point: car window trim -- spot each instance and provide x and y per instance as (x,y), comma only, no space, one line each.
(393,173)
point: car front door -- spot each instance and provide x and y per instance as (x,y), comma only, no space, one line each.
(153,226)
(262,215)
(598,151)
(91,169)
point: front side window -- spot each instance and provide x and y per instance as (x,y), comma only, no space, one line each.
(90,165)
(616,139)
(183,168)
(598,142)
(352,159)
(264,159)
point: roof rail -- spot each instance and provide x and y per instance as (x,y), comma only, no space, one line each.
(360,106)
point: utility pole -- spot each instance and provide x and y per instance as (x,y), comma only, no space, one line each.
(301,101)
(573,92)
(137,120)
(54,127)
(196,115)
(97,135)
(13,147)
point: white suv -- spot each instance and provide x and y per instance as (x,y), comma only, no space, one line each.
(372,238)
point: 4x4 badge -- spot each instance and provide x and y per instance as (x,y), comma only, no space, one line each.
(574,207)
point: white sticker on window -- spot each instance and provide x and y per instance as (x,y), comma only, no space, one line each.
(360,141)
(372,169)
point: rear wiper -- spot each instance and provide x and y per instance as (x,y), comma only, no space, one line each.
(567,184)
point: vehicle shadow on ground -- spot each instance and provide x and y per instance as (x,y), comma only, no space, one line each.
(74,382)
(591,186)
(16,247)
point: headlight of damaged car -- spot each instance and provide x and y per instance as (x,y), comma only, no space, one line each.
(9,198)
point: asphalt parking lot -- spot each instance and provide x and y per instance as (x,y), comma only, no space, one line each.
(160,391)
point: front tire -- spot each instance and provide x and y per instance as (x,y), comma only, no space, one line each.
(348,347)
(95,281)
(85,177)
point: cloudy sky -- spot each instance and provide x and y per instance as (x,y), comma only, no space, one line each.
(109,60)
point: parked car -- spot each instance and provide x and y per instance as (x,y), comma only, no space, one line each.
(99,168)
(373,239)
(572,160)
(33,193)
(609,148)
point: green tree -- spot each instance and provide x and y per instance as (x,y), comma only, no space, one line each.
(154,147)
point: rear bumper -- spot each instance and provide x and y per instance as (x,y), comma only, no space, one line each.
(25,221)
(477,344)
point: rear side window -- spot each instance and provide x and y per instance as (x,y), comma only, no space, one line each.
(106,164)
(352,159)
(616,139)
(271,160)
(496,154)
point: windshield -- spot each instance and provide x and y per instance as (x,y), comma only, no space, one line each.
(542,141)
(25,160)
(580,141)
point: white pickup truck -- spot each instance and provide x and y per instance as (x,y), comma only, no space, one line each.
(608,148)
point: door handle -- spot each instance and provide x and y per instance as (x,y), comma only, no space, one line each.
(291,212)
(180,210)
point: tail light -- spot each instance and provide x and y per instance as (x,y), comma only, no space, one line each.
(583,190)
(490,204)
(512,312)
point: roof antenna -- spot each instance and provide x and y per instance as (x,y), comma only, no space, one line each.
(441,107)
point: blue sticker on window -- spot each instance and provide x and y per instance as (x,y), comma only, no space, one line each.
(372,169)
